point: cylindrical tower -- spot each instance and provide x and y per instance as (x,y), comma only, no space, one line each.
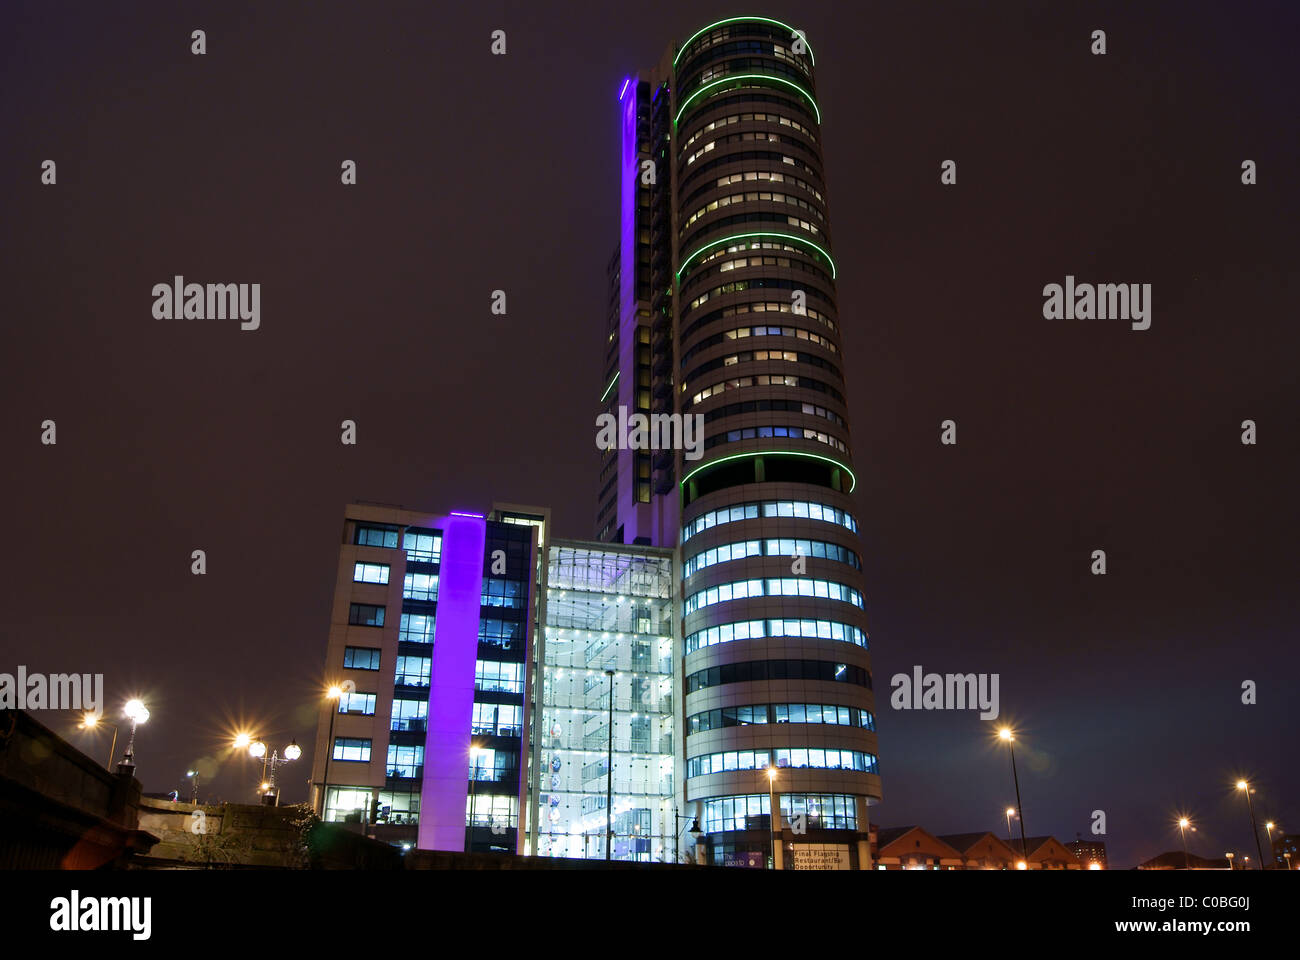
(776,668)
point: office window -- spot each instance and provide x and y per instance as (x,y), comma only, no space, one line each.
(410,715)
(416,628)
(351,748)
(494,675)
(363,703)
(405,761)
(500,633)
(500,719)
(413,671)
(499,592)
(420,586)
(361,658)
(370,573)
(425,547)
(365,615)
(369,535)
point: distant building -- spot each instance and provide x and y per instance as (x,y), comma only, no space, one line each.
(983,851)
(1088,852)
(1048,853)
(913,848)
(1286,852)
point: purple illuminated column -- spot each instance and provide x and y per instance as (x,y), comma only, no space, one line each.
(451,684)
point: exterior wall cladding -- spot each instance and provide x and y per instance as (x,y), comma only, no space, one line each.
(706,318)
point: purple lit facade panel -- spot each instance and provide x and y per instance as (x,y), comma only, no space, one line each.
(451,684)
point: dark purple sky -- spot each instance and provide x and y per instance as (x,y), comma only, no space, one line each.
(479,172)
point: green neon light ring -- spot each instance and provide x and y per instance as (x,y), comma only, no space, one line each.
(783,26)
(610,387)
(772,453)
(748,76)
(742,236)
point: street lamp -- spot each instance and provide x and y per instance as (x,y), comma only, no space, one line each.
(193,775)
(1011,812)
(257,750)
(1183,824)
(1009,737)
(331,696)
(1230,855)
(137,713)
(1269,827)
(773,812)
(475,750)
(1244,786)
(609,775)
(90,722)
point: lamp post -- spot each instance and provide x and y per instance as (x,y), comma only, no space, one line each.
(609,775)
(194,786)
(331,696)
(1011,812)
(474,750)
(1007,735)
(1244,785)
(137,713)
(1230,856)
(773,814)
(1183,824)
(270,793)
(1269,827)
(90,722)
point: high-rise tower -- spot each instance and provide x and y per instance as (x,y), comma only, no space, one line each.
(723,305)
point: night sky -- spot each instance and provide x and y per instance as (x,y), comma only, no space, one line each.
(480,172)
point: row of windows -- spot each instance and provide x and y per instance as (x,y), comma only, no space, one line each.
(748,136)
(783,757)
(747,714)
(409,715)
(759,306)
(419,545)
(780,546)
(403,761)
(753,433)
(753,158)
(824,811)
(755,176)
(370,573)
(417,627)
(498,719)
(762,406)
(754,629)
(759,196)
(772,587)
(762,216)
(748,671)
(761,283)
(420,586)
(802,509)
(718,44)
(740,333)
(742,65)
(498,592)
(759,356)
(496,676)
(776,118)
(702,273)
(412,671)
(764,380)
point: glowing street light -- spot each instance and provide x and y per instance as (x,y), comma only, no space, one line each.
(332,696)
(1183,824)
(1244,786)
(1008,736)
(90,722)
(1011,812)
(257,750)
(137,713)
(773,812)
